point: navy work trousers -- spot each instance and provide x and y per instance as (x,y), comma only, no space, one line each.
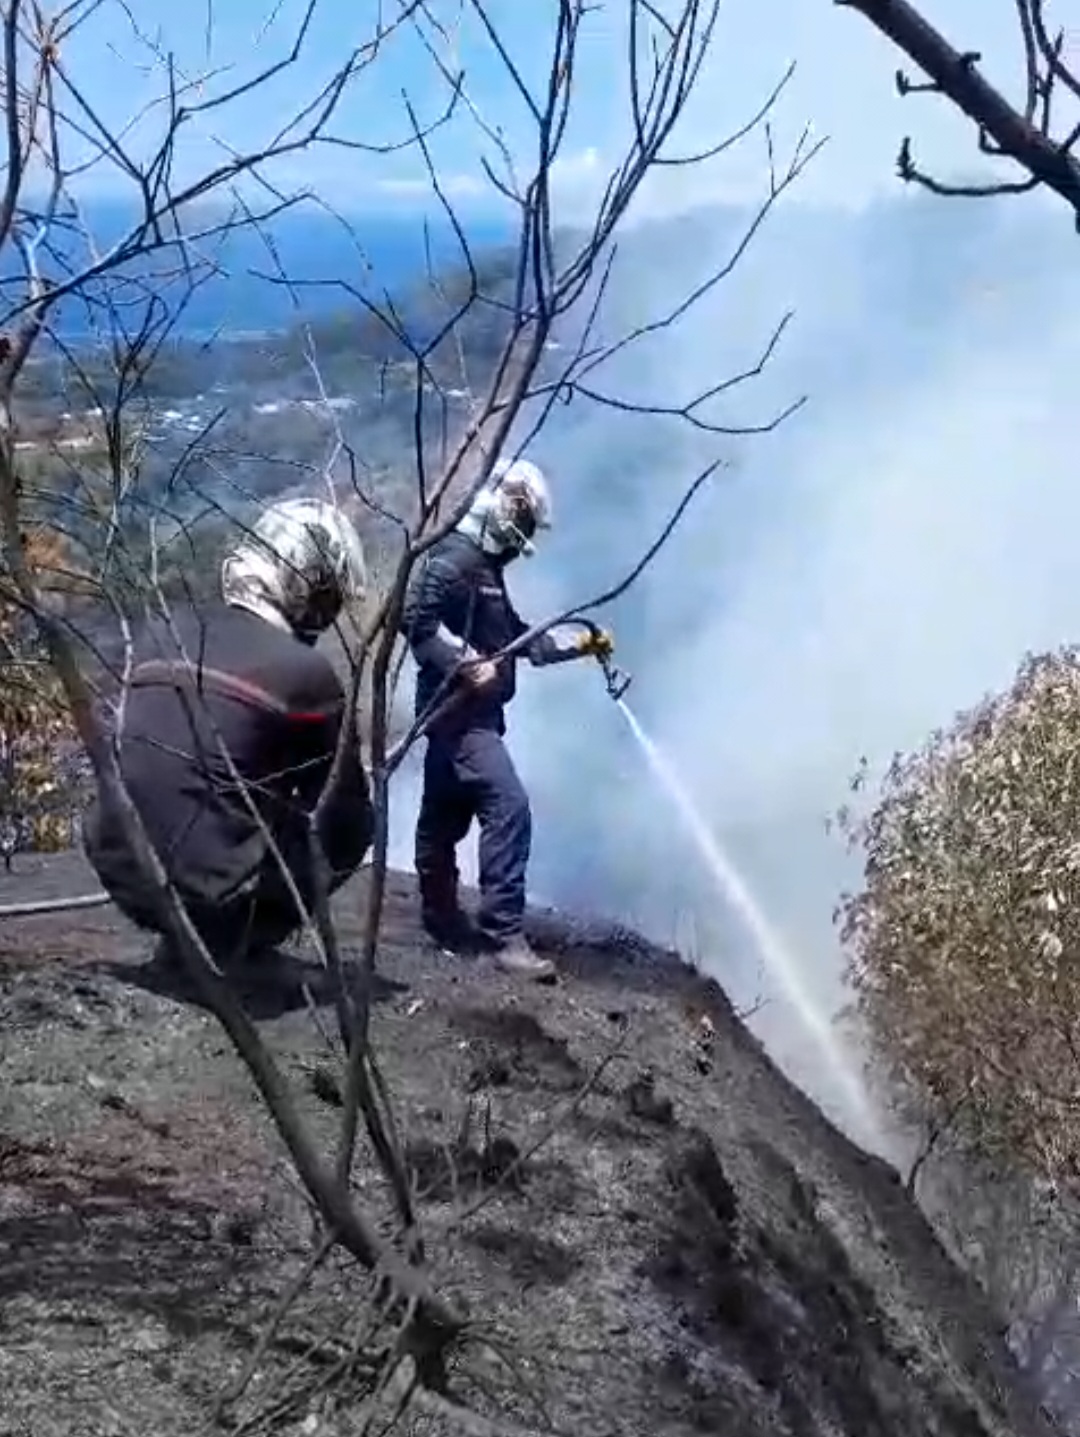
(471,776)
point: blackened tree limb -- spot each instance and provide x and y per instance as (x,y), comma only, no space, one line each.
(955,74)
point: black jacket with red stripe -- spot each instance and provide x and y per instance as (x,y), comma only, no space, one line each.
(225,678)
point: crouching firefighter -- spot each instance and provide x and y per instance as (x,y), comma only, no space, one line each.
(457,616)
(230,729)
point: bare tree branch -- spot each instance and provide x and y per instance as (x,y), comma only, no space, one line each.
(1021,133)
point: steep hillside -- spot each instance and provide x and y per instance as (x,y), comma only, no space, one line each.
(695,1249)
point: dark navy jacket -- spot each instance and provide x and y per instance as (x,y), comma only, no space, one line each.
(458,596)
(277,706)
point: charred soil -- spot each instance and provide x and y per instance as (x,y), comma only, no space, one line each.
(655,1233)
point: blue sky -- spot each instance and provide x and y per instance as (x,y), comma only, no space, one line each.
(843,87)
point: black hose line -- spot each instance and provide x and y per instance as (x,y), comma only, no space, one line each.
(53,905)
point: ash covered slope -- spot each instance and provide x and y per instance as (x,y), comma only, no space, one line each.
(689,1253)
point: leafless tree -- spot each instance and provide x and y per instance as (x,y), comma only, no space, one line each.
(131,292)
(1028,131)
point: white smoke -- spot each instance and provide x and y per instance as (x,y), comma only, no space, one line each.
(883,559)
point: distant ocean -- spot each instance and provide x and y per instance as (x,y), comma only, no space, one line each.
(320,255)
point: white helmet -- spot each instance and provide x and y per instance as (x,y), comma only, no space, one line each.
(300,562)
(509,509)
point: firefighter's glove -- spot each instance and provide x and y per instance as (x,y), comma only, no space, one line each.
(596,644)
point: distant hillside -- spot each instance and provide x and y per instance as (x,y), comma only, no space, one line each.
(250,413)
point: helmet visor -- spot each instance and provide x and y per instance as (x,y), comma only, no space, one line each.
(519,509)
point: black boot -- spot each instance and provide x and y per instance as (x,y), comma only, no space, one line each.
(445,921)
(451,931)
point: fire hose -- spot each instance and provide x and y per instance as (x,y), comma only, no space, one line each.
(616,681)
(54,905)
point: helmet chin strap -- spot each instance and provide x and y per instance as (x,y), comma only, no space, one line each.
(505,551)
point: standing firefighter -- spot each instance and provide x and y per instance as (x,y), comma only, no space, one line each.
(230,728)
(457,616)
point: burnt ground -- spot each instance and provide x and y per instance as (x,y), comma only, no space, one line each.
(694,1249)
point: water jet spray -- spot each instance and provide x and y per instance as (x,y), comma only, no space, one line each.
(780,962)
